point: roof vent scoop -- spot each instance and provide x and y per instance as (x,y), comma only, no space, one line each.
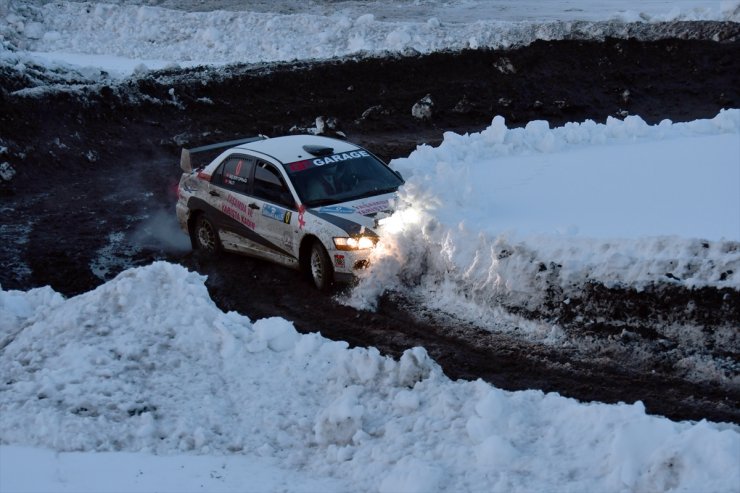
(318,150)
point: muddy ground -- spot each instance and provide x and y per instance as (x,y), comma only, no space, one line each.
(96,167)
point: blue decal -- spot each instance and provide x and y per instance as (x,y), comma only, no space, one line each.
(337,209)
(276,213)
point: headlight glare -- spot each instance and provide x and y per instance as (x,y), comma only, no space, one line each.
(354,243)
(364,242)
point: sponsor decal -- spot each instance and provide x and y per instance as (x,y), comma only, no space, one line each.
(236,176)
(337,209)
(301,211)
(372,207)
(276,213)
(288,240)
(230,179)
(339,260)
(204,176)
(236,215)
(299,165)
(241,206)
(335,158)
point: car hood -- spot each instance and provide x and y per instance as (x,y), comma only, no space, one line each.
(358,216)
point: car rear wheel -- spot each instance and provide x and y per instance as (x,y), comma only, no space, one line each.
(320,268)
(206,236)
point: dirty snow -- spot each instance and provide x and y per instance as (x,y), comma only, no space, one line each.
(121,38)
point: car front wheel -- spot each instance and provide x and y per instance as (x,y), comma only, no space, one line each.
(206,235)
(321,270)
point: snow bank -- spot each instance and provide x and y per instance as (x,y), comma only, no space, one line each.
(18,308)
(147,363)
(112,34)
(511,215)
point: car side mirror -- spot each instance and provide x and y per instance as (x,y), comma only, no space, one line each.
(398,174)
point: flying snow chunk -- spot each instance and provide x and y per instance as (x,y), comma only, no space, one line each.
(424,108)
(6,172)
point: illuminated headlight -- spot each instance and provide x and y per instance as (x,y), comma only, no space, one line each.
(354,243)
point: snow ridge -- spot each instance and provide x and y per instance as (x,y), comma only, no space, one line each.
(147,362)
(156,35)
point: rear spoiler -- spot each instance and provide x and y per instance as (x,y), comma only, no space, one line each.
(187,166)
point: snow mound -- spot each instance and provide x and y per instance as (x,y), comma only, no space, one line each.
(147,362)
(19,308)
(511,215)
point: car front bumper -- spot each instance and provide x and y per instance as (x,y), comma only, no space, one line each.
(347,263)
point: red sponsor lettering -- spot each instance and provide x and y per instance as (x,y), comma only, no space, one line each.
(236,203)
(299,165)
(246,222)
(240,205)
(234,214)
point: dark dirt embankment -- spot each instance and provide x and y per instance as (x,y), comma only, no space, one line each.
(556,81)
(93,162)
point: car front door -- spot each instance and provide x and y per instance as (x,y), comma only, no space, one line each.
(275,215)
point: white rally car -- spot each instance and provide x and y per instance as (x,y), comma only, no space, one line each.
(307,202)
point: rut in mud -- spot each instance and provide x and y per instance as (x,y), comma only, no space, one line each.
(96,166)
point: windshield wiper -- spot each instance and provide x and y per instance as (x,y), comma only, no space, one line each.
(371,193)
(318,202)
(387,190)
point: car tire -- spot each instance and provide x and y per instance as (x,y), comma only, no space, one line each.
(206,236)
(319,267)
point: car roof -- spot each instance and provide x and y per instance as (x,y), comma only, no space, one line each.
(289,148)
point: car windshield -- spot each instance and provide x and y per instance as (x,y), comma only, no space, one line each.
(341,178)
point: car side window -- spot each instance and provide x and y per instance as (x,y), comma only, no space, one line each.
(234,174)
(269,185)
